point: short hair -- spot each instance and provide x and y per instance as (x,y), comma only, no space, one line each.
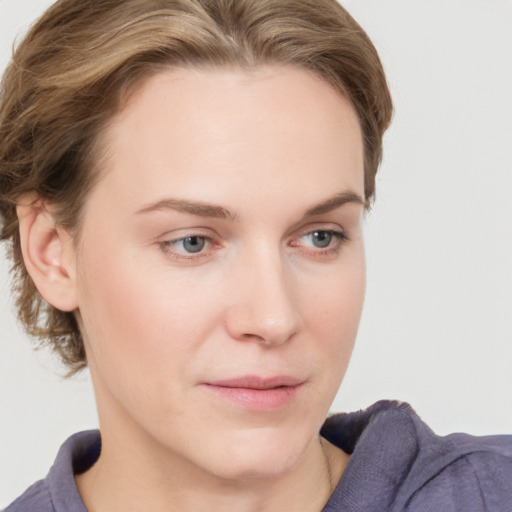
(70,74)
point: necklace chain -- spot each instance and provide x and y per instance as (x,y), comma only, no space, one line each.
(328,466)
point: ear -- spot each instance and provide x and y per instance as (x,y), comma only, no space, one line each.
(48,253)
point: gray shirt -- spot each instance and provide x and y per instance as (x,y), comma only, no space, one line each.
(397,464)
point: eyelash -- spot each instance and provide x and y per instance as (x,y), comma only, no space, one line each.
(166,247)
(339,238)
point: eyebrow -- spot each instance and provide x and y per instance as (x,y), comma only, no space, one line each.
(334,202)
(193,207)
(219,212)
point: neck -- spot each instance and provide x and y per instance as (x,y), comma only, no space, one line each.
(134,480)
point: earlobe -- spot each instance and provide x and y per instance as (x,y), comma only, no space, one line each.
(48,254)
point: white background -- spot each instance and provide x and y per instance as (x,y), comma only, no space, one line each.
(436,330)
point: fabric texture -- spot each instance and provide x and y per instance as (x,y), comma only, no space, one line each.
(397,464)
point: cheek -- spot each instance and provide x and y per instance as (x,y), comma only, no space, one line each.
(139,323)
(333,312)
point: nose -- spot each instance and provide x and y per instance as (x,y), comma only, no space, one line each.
(264,309)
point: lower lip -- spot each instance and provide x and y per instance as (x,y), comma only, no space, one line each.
(257,399)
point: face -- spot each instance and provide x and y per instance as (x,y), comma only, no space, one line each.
(221,267)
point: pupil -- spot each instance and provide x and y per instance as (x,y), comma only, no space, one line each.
(322,238)
(193,243)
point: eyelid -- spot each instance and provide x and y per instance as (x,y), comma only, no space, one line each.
(167,244)
(167,241)
(340,238)
(318,226)
(337,233)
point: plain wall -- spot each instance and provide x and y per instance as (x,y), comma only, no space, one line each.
(436,330)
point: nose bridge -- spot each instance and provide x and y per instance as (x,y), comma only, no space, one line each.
(265,309)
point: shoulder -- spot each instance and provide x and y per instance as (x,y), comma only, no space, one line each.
(58,491)
(473,475)
(398,461)
(35,499)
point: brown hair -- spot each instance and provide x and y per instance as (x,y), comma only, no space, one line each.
(69,75)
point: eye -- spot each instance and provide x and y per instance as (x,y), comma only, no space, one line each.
(324,243)
(322,239)
(191,244)
(187,247)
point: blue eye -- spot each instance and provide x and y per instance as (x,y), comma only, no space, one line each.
(191,244)
(194,248)
(321,239)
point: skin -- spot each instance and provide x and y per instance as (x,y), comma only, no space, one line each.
(261,298)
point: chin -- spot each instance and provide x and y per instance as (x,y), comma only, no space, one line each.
(260,455)
(260,469)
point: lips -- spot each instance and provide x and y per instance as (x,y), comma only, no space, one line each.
(255,382)
(257,393)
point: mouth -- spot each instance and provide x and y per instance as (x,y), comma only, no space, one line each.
(257,393)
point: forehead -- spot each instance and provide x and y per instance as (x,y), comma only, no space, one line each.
(279,125)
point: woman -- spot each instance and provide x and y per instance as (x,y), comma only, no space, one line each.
(183,185)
